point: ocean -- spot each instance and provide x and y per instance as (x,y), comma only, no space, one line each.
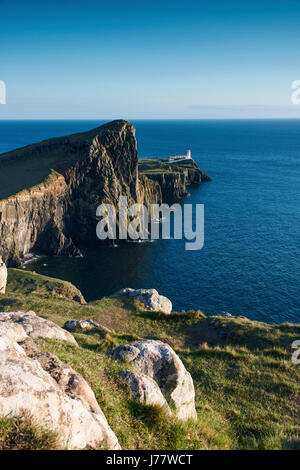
(249,264)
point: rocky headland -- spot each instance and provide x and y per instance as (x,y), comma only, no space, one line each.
(50,190)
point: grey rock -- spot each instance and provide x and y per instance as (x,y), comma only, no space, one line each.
(71,325)
(145,390)
(158,361)
(124,291)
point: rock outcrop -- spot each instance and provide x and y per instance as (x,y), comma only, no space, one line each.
(173,179)
(36,327)
(150,298)
(3,276)
(51,392)
(158,361)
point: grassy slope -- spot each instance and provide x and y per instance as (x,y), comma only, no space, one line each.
(247,389)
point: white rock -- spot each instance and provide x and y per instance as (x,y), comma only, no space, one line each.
(84,324)
(37,327)
(156,303)
(3,276)
(53,394)
(158,361)
(150,298)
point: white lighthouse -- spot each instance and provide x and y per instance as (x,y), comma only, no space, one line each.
(179,158)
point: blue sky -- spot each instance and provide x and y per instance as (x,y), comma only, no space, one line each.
(141,59)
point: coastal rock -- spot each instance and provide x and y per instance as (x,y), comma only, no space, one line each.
(124,291)
(150,298)
(145,390)
(158,361)
(52,394)
(3,276)
(173,179)
(37,327)
(72,325)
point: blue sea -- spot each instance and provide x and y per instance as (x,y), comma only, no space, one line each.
(249,264)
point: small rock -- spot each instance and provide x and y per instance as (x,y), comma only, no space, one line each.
(83,324)
(224,314)
(124,291)
(70,325)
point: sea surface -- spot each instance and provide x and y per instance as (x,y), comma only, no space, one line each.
(249,264)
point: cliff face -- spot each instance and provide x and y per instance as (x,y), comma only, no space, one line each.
(94,167)
(58,214)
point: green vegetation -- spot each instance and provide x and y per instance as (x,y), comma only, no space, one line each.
(154,166)
(26,282)
(247,389)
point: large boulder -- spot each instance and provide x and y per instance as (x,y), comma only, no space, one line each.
(150,298)
(3,276)
(37,327)
(53,394)
(158,361)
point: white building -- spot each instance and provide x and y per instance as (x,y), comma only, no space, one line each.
(179,158)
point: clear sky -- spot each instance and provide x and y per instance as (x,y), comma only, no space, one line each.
(149,59)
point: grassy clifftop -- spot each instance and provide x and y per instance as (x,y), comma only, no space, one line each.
(247,389)
(29,166)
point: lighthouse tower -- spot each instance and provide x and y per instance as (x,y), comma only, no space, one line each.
(189,154)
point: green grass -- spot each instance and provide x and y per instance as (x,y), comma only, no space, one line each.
(247,389)
(153,166)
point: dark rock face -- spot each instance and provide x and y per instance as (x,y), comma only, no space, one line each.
(91,168)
